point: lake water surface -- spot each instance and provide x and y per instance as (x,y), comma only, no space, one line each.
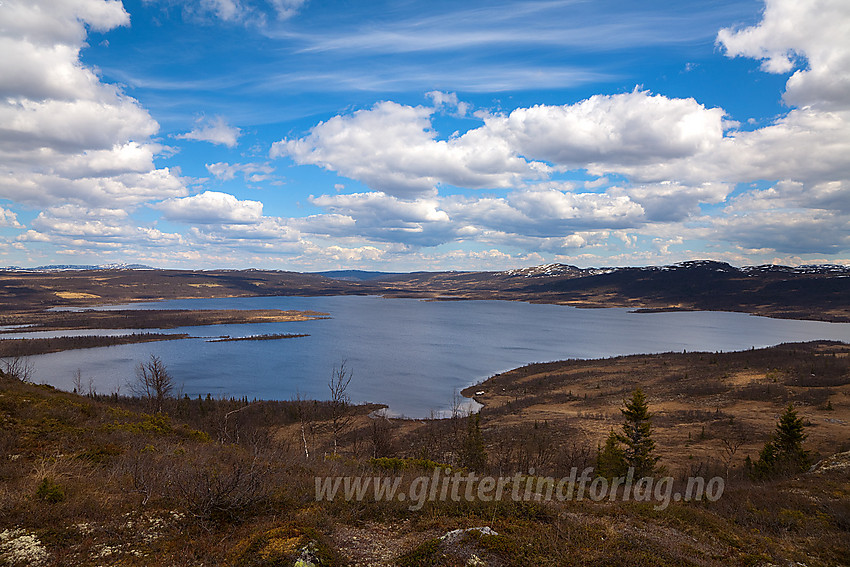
(408,353)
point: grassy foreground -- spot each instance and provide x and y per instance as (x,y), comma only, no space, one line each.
(102,480)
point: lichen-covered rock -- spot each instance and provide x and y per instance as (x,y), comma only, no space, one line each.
(19,547)
(308,556)
(289,544)
(465,547)
(457,535)
(839,461)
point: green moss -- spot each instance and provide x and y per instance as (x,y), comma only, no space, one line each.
(282,547)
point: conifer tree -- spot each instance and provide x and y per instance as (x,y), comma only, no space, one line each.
(784,453)
(639,450)
(610,459)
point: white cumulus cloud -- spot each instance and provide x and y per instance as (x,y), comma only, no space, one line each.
(212,207)
(9,218)
(215,131)
(67,136)
(392,148)
(540,216)
(631,128)
(811,37)
(87,229)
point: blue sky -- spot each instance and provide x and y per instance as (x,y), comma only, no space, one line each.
(408,135)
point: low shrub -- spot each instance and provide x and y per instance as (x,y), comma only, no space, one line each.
(49,491)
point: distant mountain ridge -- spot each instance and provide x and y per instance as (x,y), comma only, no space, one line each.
(543,270)
(804,292)
(78,267)
(553,270)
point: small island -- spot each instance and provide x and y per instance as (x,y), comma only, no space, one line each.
(148,318)
(272,337)
(14,348)
(11,323)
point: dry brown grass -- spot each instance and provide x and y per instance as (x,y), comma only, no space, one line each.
(201,488)
(698,399)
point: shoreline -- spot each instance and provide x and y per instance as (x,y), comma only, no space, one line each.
(129,320)
(174,318)
(282,448)
(815,296)
(149,318)
(16,348)
(633,308)
(480,390)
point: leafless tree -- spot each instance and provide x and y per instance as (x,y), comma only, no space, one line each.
(340,401)
(732,441)
(457,405)
(457,423)
(219,486)
(78,381)
(305,420)
(78,385)
(153,382)
(145,473)
(225,435)
(17,367)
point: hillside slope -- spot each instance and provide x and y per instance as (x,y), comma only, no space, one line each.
(99,480)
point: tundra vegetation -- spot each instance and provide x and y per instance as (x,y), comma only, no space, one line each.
(159,478)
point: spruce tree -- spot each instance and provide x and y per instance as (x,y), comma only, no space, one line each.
(610,459)
(639,451)
(784,453)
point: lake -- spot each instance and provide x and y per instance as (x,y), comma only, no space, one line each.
(407,353)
